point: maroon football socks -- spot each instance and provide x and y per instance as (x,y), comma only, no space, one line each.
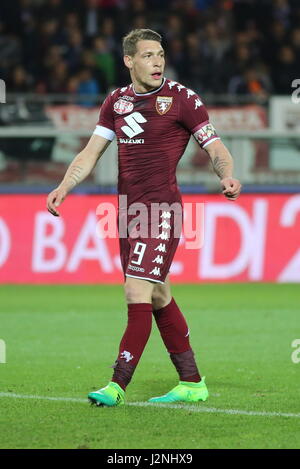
(175,334)
(133,342)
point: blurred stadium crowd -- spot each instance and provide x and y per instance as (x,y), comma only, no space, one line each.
(244,47)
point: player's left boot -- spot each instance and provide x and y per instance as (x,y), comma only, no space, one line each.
(185,392)
(111,395)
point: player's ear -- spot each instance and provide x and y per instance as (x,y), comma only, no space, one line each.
(128,61)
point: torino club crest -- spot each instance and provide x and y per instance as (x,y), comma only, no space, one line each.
(163,104)
(122,107)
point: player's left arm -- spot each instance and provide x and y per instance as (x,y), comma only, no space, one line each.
(223,166)
(194,117)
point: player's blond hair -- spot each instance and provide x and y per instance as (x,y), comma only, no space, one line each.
(131,39)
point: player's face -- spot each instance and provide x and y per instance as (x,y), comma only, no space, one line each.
(146,66)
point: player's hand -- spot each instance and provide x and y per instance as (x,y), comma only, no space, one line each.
(231,188)
(54,199)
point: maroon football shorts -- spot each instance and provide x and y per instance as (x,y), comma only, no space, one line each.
(147,249)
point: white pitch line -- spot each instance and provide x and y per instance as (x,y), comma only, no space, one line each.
(189,408)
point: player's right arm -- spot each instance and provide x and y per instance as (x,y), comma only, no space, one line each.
(85,161)
(79,169)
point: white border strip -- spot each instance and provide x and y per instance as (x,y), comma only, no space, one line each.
(144,278)
(104,132)
(189,408)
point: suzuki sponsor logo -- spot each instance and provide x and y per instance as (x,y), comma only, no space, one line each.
(136,141)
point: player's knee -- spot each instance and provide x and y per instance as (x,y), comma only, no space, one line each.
(135,294)
(160,298)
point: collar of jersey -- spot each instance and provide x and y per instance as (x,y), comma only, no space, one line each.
(150,92)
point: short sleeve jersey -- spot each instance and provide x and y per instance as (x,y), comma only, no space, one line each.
(152,131)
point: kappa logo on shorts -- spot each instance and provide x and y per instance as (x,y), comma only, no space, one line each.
(165,225)
(161,248)
(155,271)
(163,104)
(159,259)
(123,107)
(163,235)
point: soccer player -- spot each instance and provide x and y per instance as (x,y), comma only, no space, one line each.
(152,119)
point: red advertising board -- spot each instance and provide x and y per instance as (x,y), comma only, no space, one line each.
(256,238)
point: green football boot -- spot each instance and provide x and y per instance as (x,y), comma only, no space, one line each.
(111,395)
(185,392)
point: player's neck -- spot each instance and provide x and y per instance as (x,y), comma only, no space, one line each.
(141,88)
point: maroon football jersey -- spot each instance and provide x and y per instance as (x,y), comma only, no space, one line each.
(152,131)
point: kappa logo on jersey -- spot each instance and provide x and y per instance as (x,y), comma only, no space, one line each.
(123,107)
(198,103)
(127,98)
(163,104)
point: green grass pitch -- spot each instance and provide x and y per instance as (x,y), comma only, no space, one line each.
(61,341)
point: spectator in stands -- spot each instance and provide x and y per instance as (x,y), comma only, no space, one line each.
(10,50)
(72,22)
(19,81)
(108,31)
(251,83)
(91,18)
(210,43)
(88,60)
(74,49)
(275,38)
(87,85)
(52,9)
(105,60)
(140,22)
(177,56)
(57,80)
(295,43)
(195,69)
(238,60)
(175,29)
(282,11)
(285,70)
(214,47)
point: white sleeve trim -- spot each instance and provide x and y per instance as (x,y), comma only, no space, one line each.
(210,141)
(104,132)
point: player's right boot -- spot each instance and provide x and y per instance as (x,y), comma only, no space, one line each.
(111,395)
(185,392)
